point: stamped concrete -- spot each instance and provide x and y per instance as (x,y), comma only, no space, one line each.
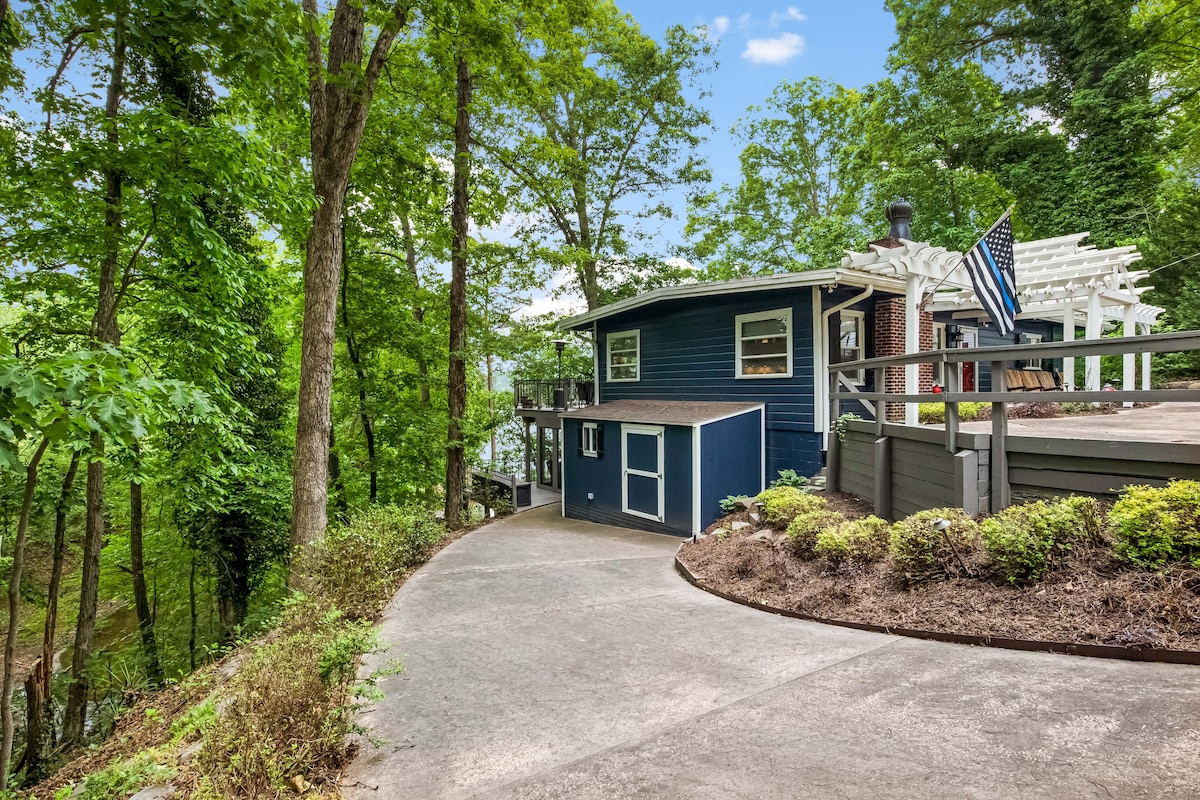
(1177,423)
(551,658)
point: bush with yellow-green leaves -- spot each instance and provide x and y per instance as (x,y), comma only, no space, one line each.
(1153,527)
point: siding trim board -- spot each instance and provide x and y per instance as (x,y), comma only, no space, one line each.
(697,461)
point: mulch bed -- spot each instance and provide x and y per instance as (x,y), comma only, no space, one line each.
(1087,599)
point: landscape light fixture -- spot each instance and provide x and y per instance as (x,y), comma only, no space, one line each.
(941,524)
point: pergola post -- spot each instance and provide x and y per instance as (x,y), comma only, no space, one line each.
(1128,360)
(1145,361)
(914,284)
(1095,322)
(1069,336)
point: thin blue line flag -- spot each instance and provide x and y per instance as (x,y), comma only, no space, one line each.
(990,265)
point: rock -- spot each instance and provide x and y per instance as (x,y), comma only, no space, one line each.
(755,517)
(1194,385)
(188,754)
(767,535)
(154,793)
(740,525)
(748,503)
(298,784)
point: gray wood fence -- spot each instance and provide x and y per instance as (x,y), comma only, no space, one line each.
(902,469)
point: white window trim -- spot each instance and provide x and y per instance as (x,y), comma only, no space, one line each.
(858,377)
(589,438)
(940,343)
(645,430)
(786,313)
(637,334)
(1034,338)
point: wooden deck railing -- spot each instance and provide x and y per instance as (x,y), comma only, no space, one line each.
(1000,395)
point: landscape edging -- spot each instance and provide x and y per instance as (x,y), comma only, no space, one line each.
(1031,645)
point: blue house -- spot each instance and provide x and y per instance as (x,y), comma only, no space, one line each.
(704,390)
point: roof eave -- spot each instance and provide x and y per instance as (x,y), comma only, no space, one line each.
(789,280)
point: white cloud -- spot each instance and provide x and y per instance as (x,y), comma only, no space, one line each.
(744,20)
(776,50)
(713,31)
(792,14)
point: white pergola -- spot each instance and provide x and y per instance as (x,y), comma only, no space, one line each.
(1058,279)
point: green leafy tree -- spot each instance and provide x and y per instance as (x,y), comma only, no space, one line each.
(595,125)
(804,178)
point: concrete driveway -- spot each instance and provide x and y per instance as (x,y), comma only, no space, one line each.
(549,658)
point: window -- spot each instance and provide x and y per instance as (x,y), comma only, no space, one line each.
(589,441)
(764,344)
(850,342)
(623,356)
(1031,338)
(939,343)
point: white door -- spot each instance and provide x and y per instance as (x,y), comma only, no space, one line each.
(642,471)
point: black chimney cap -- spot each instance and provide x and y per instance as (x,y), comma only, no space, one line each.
(899,214)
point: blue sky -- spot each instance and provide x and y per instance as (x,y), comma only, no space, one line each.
(763,43)
(759,44)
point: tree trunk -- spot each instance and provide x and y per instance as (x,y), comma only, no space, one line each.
(310,490)
(456,463)
(360,375)
(75,715)
(39,736)
(14,612)
(105,330)
(335,477)
(141,600)
(338,113)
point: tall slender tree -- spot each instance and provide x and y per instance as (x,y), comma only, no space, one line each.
(341,86)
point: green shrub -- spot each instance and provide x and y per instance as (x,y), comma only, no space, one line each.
(361,563)
(289,707)
(781,504)
(1018,542)
(923,553)
(935,413)
(1153,527)
(859,540)
(803,531)
(789,477)
(1022,540)
(732,503)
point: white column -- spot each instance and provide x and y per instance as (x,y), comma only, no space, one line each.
(1095,324)
(914,284)
(1069,336)
(1145,360)
(1128,360)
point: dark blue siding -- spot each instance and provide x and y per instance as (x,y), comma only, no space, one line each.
(602,477)
(677,450)
(687,353)
(731,462)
